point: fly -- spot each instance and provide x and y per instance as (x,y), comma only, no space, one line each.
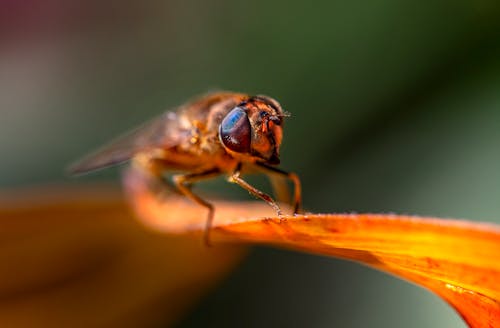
(219,133)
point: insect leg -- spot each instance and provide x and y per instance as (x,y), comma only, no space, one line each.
(279,185)
(166,184)
(295,180)
(235,177)
(159,184)
(183,183)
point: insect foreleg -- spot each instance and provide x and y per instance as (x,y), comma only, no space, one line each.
(297,203)
(235,177)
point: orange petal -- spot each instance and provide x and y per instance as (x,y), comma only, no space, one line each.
(458,260)
(77,257)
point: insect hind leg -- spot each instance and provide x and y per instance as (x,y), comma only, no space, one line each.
(160,185)
(183,183)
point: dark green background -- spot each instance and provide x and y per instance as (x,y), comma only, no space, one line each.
(395,108)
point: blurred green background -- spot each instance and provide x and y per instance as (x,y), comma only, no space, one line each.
(395,108)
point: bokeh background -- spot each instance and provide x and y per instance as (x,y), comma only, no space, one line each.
(395,108)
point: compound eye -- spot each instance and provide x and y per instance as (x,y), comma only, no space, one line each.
(235,131)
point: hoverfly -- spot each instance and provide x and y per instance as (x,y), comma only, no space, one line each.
(219,133)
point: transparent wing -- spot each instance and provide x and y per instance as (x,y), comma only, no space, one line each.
(163,131)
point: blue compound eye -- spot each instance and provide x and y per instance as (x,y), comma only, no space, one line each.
(235,131)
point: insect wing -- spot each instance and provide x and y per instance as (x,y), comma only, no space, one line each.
(161,132)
